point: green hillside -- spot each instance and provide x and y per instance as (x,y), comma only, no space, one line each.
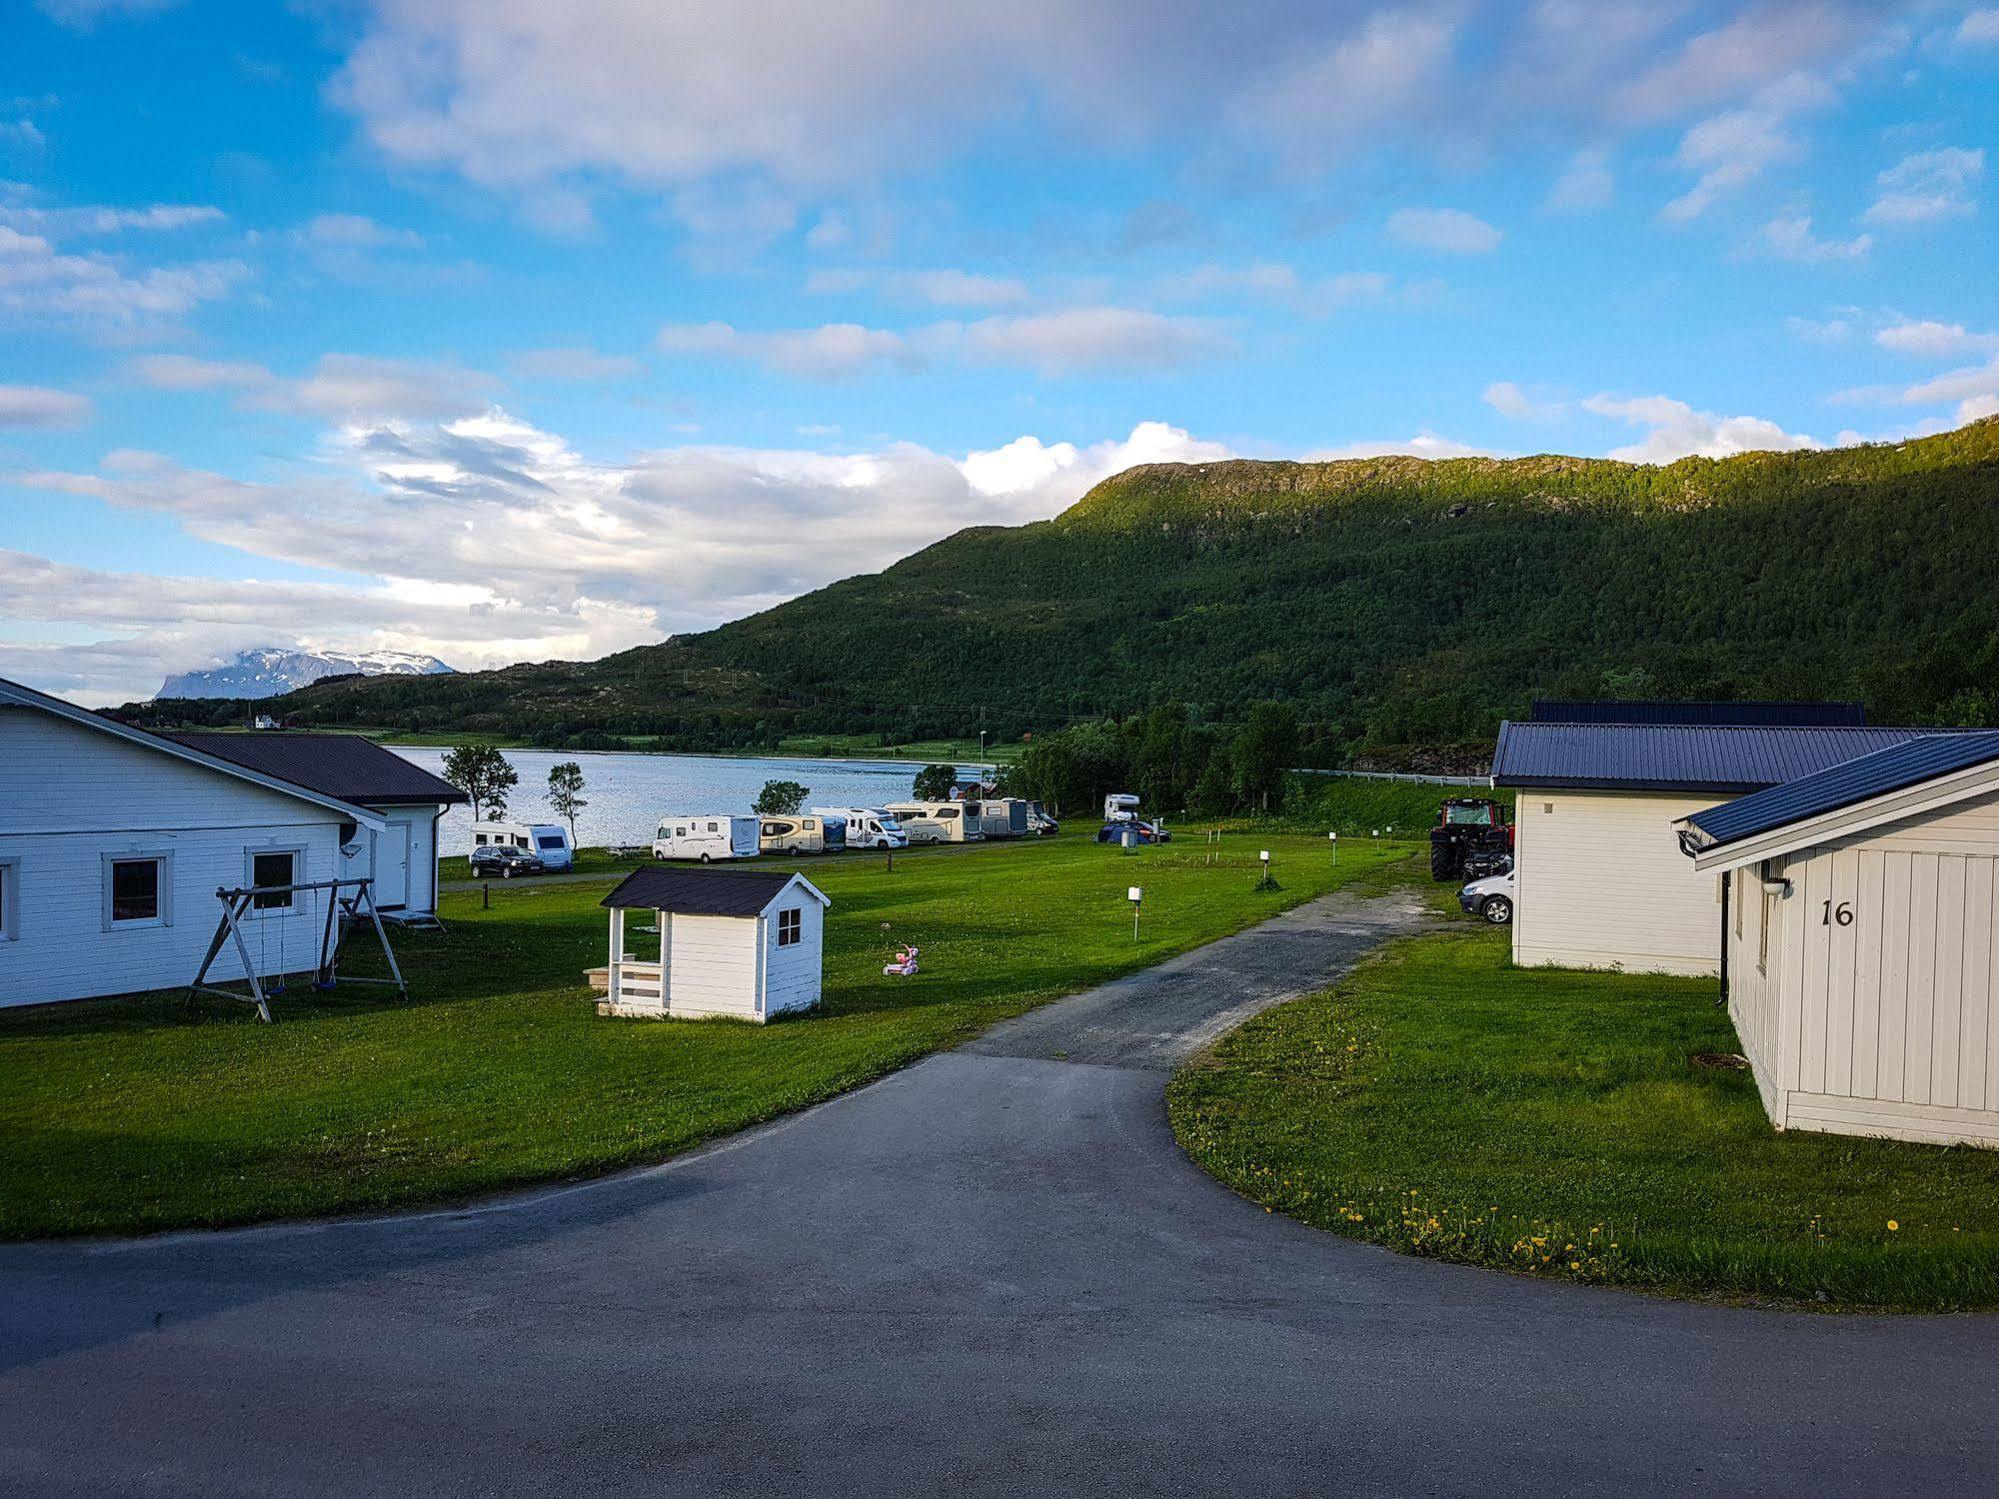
(1392,601)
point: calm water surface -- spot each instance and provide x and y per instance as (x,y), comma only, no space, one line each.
(629,794)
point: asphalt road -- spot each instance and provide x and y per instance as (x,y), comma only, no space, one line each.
(991,1272)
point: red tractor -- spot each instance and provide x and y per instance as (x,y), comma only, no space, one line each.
(1469,831)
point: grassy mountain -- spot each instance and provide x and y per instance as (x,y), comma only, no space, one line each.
(1391,600)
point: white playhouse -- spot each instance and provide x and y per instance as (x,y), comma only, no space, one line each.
(736,944)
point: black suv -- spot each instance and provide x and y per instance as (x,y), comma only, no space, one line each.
(504,860)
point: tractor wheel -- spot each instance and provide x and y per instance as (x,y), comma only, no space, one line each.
(1444,863)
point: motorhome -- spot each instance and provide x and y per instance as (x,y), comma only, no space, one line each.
(939,822)
(707,837)
(868,827)
(547,841)
(1039,822)
(1000,816)
(1120,806)
(793,835)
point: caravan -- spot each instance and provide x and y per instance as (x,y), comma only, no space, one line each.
(547,841)
(939,822)
(1120,806)
(796,835)
(708,838)
(866,827)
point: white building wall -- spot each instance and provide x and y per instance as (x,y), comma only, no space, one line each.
(1886,1025)
(793,975)
(711,967)
(380,856)
(70,795)
(1600,882)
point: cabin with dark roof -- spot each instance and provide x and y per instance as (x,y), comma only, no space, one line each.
(1598,877)
(400,856)
(1859,918)
(740,944)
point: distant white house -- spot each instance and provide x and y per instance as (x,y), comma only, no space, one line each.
(738,944)
(1862,932)
(1598,877)
(114,841)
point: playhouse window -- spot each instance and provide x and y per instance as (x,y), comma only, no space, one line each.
(789,926)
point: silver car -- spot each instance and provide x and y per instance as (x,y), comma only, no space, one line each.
(1490,898)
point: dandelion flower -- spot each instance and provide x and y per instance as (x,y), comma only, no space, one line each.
(1893,1226)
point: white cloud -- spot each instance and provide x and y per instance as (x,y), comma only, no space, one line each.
(1979,28)
(1678,431)
(1819,330)
(38,406)
(342,389)
(23,132)
(1449,231)
(1927,186)
(40,284)
(186,372)
(1065,342)
(1423,445)
(356,231)
(1513,403)
(1586,183)
(486,540)
(19,211)
(1790,237)
(1732,149)
(1766,45)
(573,364)
(1934,340)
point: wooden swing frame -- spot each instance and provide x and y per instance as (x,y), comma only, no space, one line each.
(237,902)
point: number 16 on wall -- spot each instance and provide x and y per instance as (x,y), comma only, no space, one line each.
(1836,915)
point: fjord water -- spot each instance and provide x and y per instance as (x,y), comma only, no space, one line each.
(630,793)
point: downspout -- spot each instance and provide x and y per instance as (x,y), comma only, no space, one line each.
(1727,880)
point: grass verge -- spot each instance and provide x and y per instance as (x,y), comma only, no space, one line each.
(137,1114)
(1443,1103)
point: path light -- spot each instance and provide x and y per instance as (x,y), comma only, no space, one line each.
(1334,839)
(1134,895)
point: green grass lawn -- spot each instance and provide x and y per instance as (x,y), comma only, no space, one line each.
(1444,1103)
(136,1114)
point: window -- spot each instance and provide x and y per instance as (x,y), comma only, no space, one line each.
(479,839)
(10,900)
(519,841)
(550,840)
(714,827)
(138,890)
(789,924)
(276,866)
(680,832)
(947,814)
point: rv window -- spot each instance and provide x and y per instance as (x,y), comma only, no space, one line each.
(519,841)
(479,838)
(714,827)
(680,832)
(550,840)
(273,869)
(775,830)
(946,814)
(788,923)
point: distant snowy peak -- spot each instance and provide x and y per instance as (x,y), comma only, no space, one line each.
(267,673)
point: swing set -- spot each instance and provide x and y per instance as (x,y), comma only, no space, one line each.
(341,911)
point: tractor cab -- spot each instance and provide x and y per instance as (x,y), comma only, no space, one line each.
(1469,830)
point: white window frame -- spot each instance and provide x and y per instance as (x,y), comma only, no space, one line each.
(10,898)
(250,857)
(797,916)
(163,857)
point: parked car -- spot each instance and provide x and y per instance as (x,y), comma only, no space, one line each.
(506,861)
(1490,898)
(1147,832)
(1039,822)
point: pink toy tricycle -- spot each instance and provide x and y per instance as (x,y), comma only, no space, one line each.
(904,964)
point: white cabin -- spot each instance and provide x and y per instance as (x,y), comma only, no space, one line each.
(114,841)
(401,855)
(1598,877)
(740,945)
(1862,973)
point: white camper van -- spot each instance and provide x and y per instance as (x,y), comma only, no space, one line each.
(1120,806)
(868,827)
(938,822)
(708,837)
(793,835)
(547,841)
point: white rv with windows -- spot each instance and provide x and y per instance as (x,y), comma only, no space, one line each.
(793,835)
(868,827)
(547,841)
(938,822)
(1120,806)
(708,837)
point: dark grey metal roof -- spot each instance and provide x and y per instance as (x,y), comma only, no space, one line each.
(1769,715)
(1844,785)
(1723,759)
(345,766)
(690,892)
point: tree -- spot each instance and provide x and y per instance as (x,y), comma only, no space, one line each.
(565,793)
(934,783)
(780,799)
(1267,748)
(482,773)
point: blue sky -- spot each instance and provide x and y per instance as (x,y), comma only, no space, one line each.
(506,330)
